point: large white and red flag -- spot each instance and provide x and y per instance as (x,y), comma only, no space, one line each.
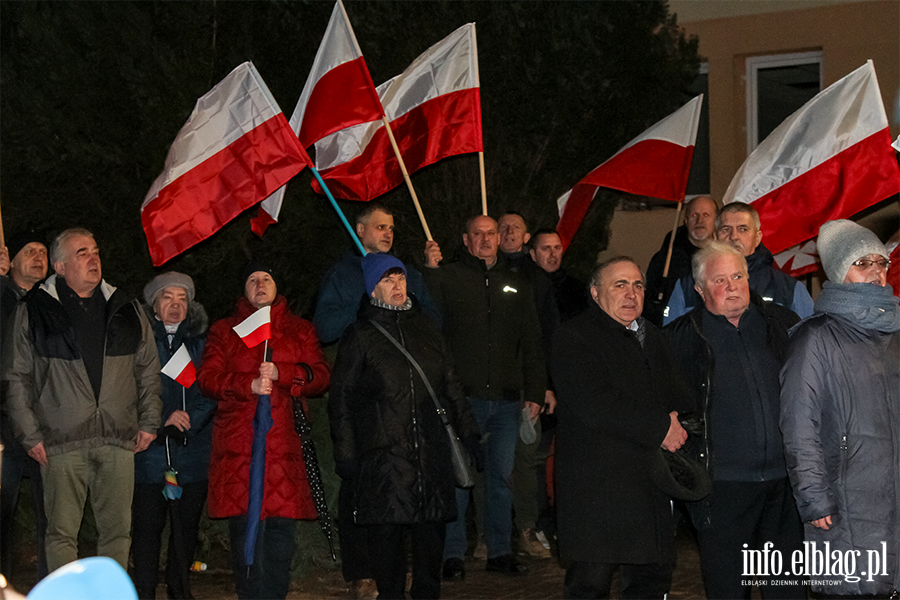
(181,368)
(339,93)
(434,108)
(656,164)
(829,160)
(256,328)
(235,149)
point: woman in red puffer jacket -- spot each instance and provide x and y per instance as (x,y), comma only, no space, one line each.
(235,375)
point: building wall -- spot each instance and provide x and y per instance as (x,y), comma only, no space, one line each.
(847,34)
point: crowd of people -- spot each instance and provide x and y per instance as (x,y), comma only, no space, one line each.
(787,410)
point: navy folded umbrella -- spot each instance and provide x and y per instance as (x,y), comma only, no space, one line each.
(262,423)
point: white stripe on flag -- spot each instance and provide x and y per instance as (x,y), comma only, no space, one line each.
(253,322)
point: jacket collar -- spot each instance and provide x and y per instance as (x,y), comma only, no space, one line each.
(49,286)
(470,260)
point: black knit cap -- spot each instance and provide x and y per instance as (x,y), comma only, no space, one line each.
(19,240)
(253,266)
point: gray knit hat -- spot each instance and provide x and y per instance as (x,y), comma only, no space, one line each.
(843,242)
(170,279)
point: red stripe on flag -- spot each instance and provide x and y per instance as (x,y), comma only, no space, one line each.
(576,207)
(343,97)
(261,222)
(200,202)
(188,375)
(258,335)
(893,275)
(852,180)
(444,126)
(655,168)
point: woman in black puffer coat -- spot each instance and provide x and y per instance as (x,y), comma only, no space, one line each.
(389,441)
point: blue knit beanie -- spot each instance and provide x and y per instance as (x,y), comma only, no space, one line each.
(375,265)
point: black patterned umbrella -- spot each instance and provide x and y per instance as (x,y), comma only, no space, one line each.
(313,474)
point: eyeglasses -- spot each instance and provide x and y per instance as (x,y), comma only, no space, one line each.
(865,264)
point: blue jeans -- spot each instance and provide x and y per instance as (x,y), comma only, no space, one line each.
(499,421)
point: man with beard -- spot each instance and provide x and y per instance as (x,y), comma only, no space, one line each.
(698,229)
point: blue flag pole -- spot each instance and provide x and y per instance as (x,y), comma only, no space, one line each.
(338,209)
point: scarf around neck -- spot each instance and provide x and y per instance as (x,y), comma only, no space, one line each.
(405,306)
(867,305)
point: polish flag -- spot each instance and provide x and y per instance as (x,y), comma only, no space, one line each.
(799,260)
(656,164)
(256,328)
(829,160)
(181,368)
(434,108)
(235,149)
(339,93)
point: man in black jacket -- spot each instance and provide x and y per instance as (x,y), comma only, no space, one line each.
(617,406)
(730,349)
(491,327)
(27,268)
(698,230)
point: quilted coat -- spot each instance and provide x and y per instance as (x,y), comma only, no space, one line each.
(840,413)
(389,441)
(227,370)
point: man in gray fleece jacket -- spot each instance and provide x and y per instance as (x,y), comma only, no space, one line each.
(82,377)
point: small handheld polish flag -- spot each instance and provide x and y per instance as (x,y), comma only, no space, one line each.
(256,328)
(181,368)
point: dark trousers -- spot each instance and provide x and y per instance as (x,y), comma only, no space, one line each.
(149,511)
(16,465)
(388,556)
(639,582)
(747,513)
(353,538)
(270,574)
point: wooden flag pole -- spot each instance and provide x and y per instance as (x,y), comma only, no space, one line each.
(2,237)
(409,185)
(483,186)
(671,245)
(412,190)
(338,209)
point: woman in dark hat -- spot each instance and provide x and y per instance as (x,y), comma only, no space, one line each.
(235,376)
(389,441)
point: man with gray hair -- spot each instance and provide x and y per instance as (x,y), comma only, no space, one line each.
(83,393)
(618,405)
(730,349)
(839,412)
(738,224)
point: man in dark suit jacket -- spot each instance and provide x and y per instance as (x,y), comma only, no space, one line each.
(613,376)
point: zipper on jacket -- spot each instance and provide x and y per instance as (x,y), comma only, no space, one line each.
(415,421)
(487,292)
